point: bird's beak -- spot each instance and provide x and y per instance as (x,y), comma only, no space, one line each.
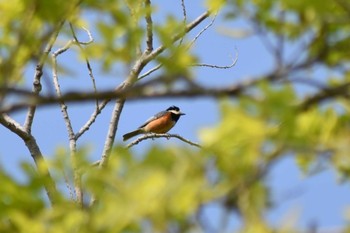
(181,113)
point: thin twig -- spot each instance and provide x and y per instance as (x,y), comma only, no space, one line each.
(189,27)
(164,135)
(149,30)
(98,108)
(150,71)
(92,118)
(202,31)
(234,61)
(178,36)
(68,186)
(184,13)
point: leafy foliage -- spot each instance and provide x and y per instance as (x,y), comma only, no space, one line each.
(166,189)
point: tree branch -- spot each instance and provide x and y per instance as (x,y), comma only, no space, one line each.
(37,77)
(35,152)
(327,93)
(202,31)
(69,127)
(98,107)
(178,36)
(184,13)
(234,61)
(149,30)
(134,93)
(165,135)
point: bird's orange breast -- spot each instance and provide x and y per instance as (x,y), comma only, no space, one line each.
(160,125)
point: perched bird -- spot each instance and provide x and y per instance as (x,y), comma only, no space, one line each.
(162,122)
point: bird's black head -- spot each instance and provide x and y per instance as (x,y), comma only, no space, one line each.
(175,111)
(173,108)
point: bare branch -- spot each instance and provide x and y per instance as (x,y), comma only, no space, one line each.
(68,186)
(98,108)
(13,125)
(91,39)
(202,31)
(37,77)
(234,61)
(92,118)
(112,129)
(184,13)
(150,72)
(58,89)
(188,28)
(178,36)
(35,152)
(149,31)
(71,135)
(165,135)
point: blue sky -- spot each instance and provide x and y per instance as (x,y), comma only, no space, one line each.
(319,199)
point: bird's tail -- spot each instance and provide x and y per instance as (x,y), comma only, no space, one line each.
(132,134)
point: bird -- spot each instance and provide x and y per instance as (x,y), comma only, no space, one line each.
(162,122)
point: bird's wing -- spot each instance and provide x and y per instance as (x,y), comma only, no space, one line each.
(158,115)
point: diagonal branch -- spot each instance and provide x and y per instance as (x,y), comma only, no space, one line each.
(327,93)
(35,152)
(202,31)
(13,126)
(150,71)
